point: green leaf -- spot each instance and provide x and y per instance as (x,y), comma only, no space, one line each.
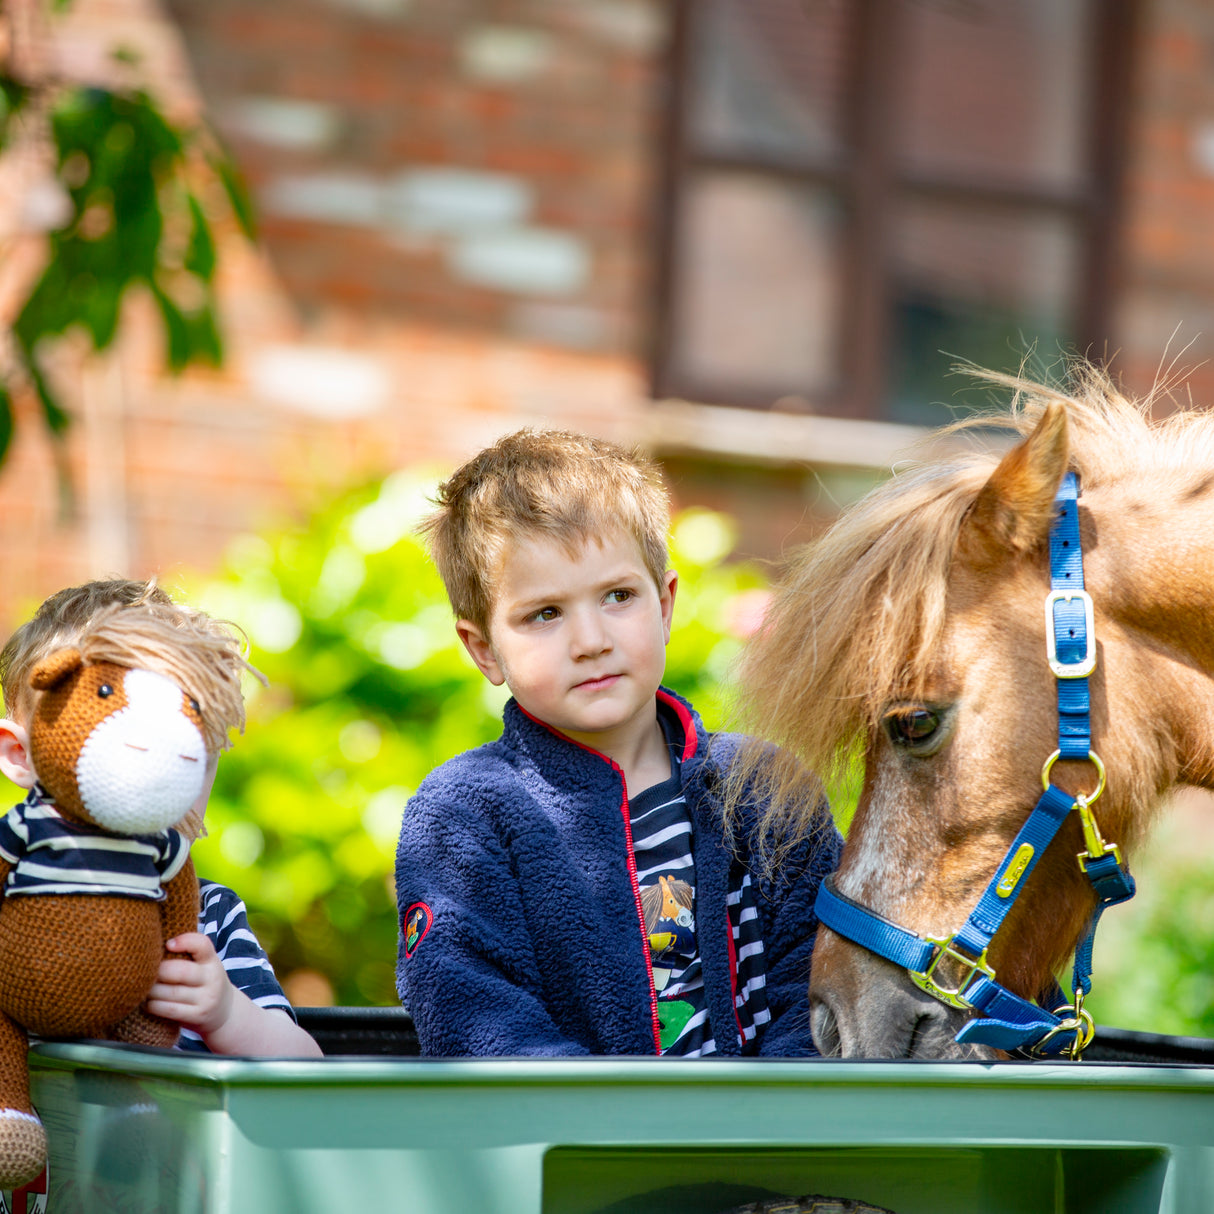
(6,421)
(12,97)
(206,345)
(200,255)
(176,330)
(238,197)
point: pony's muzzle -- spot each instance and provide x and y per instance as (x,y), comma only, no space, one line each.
(864,1007)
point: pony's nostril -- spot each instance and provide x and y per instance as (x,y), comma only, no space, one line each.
(134,747)
(189,758)
(825,1030)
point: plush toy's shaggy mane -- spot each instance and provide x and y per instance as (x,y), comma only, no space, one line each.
(200,654)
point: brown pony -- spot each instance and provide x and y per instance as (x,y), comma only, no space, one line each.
(911,637)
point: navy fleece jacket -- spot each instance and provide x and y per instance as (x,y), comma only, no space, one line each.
(521,926)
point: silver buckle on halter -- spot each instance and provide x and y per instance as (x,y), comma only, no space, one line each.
(1086,664)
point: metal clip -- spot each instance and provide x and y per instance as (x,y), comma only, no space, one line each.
(1079,1022)
(1093,841)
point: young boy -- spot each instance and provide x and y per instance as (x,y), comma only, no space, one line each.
(225,995)
(569,889)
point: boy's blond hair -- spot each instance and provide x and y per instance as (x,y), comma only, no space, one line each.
(541,484)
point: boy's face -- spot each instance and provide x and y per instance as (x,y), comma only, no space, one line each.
(580,640)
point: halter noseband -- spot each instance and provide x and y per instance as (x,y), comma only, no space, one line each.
(1005,1020)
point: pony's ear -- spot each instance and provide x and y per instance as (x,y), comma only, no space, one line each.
(52,670)
(1014,509)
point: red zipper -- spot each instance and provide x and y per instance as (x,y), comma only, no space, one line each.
(733,976)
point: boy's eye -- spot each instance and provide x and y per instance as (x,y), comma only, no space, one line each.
(619,596)
(546,614)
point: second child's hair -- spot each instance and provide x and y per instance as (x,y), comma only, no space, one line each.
(123,620)
(57,623)
(541,484)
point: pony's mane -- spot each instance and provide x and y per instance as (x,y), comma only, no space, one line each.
(860,613)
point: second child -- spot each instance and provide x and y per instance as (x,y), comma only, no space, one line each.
(223,992)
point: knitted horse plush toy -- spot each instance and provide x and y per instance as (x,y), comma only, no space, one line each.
(95,879)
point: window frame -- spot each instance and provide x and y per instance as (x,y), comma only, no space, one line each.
(868,183)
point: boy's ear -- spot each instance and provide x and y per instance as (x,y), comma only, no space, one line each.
(476,642)
(671,583)
(15,754)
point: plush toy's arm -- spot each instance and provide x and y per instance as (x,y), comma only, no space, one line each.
(179,913)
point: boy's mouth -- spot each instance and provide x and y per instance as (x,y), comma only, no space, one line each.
(597,684)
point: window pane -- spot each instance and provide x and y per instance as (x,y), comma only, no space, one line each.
(982,286)
(768,75)
(996,88)
(757,294)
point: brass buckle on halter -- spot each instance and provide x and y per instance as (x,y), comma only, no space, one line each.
(951,995)
(1079,1022)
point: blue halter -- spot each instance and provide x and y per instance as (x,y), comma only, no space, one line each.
(1007,1021)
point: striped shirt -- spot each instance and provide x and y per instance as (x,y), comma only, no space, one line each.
(661,844)
(51,854)
(662,848)
(222,917)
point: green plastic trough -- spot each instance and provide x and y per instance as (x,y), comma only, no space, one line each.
(373,1129)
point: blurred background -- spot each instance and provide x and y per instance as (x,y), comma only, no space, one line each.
(271,268)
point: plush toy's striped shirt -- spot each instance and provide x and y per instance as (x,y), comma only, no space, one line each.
(51,854)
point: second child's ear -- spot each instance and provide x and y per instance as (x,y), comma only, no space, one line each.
(15,754)
(476,642)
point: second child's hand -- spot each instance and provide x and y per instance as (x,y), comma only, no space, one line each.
(193,991)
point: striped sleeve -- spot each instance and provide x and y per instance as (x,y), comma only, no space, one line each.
(223,918)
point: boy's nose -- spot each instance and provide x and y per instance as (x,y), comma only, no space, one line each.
(589,635)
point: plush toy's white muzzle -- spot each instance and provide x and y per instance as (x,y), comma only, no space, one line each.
(143,767)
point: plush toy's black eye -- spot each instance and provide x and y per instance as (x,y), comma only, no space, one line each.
(105,691)
(195,705)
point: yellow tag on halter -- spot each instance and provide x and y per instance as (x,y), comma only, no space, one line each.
(1015,870)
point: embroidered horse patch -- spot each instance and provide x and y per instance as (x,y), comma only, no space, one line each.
(415,925)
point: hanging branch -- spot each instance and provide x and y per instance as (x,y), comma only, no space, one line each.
(133,219)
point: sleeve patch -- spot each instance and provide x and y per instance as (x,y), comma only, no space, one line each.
(414,926)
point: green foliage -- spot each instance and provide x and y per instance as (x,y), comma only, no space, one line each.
(1153,967)
(136,222)
(370,690)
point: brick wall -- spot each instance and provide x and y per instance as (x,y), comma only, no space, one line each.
(474,165)
(1167,296)
(457,203)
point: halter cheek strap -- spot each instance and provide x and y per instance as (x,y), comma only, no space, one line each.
(1006,1020)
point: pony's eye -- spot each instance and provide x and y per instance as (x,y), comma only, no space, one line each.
(105,691)
(195,705)
(913,727)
